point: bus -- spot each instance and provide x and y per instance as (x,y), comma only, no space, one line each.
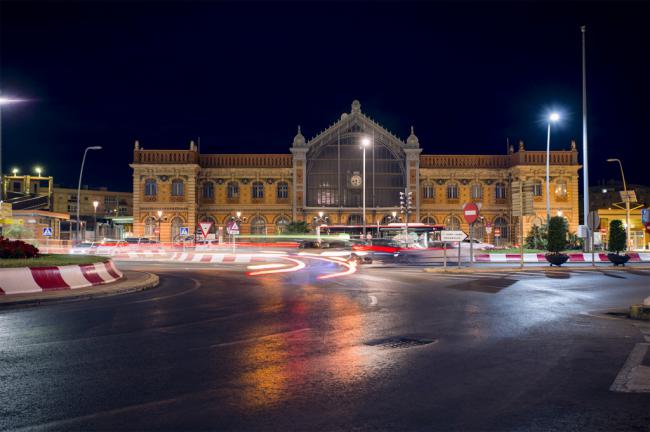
(419,234)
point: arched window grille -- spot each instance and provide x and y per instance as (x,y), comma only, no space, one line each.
(429,220)
(150,224)
(355,219)
(502,224)
(258,225)
(176,225)
(452,223)
(281,224)
(560,189)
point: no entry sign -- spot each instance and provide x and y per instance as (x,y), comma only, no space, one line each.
(470,211)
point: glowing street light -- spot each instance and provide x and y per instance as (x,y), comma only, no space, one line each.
(38,170)
(552,118)
(15,171)
(365,142)
(95,204)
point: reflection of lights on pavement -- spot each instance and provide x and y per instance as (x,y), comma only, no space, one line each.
(265,266)
(299,266)
(350,268)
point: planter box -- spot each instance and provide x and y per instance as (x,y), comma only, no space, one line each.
(556,259)
(618,259)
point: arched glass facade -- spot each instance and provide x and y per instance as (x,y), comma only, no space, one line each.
(335,172)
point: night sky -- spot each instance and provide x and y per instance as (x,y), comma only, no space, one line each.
(241,76)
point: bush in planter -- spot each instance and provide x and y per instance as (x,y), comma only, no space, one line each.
(556,241)
(536,238)
(617,243)
(16,249)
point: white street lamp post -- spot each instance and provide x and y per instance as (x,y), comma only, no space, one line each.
(3,101)
(551,119)
(627,203)
(95,204)
(160,213)
(81,171)
(365,142)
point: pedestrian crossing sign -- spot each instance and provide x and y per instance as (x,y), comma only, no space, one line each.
(47,232)
(185,231)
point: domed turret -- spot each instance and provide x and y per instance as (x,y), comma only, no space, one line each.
(299,139)
(412,140)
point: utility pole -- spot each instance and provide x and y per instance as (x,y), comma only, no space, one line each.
(585,158)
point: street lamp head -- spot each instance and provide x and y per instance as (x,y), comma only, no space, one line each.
(394,214)
(320,214)
(38,170)
(612,160)
(554,117)
(95,148)
(365,141)
(159,214)
(95,204)
(238,214)
(15,171)
(7,101)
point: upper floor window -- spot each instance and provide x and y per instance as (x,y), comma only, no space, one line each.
(500,191)
(452,191)
(258,190)
(537,188)
(208,190)
(560,189)
(428,191)
(477,191)
(150,187)
(233,190)
(178,188)
(283,190)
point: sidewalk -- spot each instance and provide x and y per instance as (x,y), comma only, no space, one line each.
(528,269)
(133,281)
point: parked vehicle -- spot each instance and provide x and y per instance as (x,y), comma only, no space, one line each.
(478,245)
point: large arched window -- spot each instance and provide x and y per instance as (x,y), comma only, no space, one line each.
(452,191)
(208,190)
(258,190)
(452,223)
(283,190)
(176,224)
(233,190)
(500,191)
(150,224)
(479,230)
(281,224)
(355,219)
(501,224)
(150,187)
(178,188)
(258,225)
(335,171)
(428,220)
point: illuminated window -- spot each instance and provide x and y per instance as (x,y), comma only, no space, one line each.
(560,189)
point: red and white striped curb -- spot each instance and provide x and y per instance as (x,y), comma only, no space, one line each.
(539,257)
(37,279)
(220,258)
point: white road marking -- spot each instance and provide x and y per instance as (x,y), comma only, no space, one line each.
(373,300)
(633,377)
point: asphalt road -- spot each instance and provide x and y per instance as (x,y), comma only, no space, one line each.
(383,349)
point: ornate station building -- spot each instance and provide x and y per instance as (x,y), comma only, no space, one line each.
(324,174)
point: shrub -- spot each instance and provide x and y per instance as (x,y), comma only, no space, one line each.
(297,227)
(536,238)
(16,249)
(617,236)
(557,231)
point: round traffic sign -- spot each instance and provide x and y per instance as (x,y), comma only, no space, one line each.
(470,211)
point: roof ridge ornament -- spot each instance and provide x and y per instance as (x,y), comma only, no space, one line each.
(356,106)
(412,141)
(299,139)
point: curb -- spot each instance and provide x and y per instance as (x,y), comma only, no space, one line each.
(530,269)
(133,281)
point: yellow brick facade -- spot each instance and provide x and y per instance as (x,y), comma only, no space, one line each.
(272,189)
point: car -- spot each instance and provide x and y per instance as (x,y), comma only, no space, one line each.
(84,248)
(477,244)
(380,249)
